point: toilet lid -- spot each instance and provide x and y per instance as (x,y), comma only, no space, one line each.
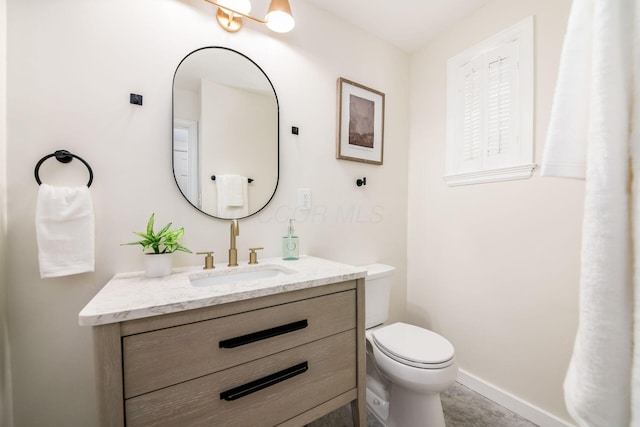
(414,346)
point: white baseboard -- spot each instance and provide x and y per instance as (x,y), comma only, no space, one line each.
(511,402)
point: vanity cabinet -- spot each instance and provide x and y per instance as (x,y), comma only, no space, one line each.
(278,360)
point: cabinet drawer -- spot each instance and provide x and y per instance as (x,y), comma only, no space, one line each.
(331,371)
(168,356)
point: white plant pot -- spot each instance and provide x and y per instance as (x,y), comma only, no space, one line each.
(157,265)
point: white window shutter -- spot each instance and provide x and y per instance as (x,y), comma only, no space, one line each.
(502,106)
(471,111)
(490,109)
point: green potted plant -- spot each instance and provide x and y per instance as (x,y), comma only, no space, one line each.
(163,243)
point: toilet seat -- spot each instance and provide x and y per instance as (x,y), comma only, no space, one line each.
(414,346)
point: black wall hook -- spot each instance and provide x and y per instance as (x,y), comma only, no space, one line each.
(361,182)
(62,156)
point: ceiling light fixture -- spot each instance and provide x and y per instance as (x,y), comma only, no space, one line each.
(230,13)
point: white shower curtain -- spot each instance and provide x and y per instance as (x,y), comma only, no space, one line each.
(594,134)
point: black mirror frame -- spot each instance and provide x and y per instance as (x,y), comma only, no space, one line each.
(277,130)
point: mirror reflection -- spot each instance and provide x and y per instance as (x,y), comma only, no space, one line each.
(225,133)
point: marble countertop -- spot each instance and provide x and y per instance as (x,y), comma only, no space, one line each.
(129,296)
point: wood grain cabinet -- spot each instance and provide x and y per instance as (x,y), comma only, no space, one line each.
(280,360)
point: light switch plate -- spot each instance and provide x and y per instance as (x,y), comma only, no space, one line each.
(304,198)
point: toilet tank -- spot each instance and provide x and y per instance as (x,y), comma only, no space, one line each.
(377,293)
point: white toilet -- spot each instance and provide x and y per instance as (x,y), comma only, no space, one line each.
(407,366)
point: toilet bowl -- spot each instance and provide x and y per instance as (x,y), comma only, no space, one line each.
(407,366)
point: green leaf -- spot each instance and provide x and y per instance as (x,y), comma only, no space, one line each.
(144,236)
(165,230)
(131,243)
(183,249)
(175,234)
(150,224)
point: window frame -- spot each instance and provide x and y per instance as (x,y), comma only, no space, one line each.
(517,162)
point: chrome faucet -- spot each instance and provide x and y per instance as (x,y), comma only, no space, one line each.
(233,252)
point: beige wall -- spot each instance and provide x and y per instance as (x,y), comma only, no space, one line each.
(6,418)
(72,65)
(494,267)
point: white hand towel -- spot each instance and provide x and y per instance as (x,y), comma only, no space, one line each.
(589,137)
(65,229)
(232,196)
(234,188)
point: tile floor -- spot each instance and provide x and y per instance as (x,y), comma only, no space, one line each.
(462,408)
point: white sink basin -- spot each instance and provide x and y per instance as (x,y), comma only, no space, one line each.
(225,277)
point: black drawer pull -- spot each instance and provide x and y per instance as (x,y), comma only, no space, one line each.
(263,335)
(262,383)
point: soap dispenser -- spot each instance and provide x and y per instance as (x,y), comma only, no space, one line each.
(290,244)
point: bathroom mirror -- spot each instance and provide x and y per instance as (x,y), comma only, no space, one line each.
(225,133)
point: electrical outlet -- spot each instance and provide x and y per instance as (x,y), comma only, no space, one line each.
(304,198)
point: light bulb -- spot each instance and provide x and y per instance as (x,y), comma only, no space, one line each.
(280,22)
(279,17)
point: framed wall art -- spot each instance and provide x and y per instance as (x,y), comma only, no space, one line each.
(360,123)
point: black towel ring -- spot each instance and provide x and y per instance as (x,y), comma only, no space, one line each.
(63,156)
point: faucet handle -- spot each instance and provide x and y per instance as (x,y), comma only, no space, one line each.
(208,260)
(253,256)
